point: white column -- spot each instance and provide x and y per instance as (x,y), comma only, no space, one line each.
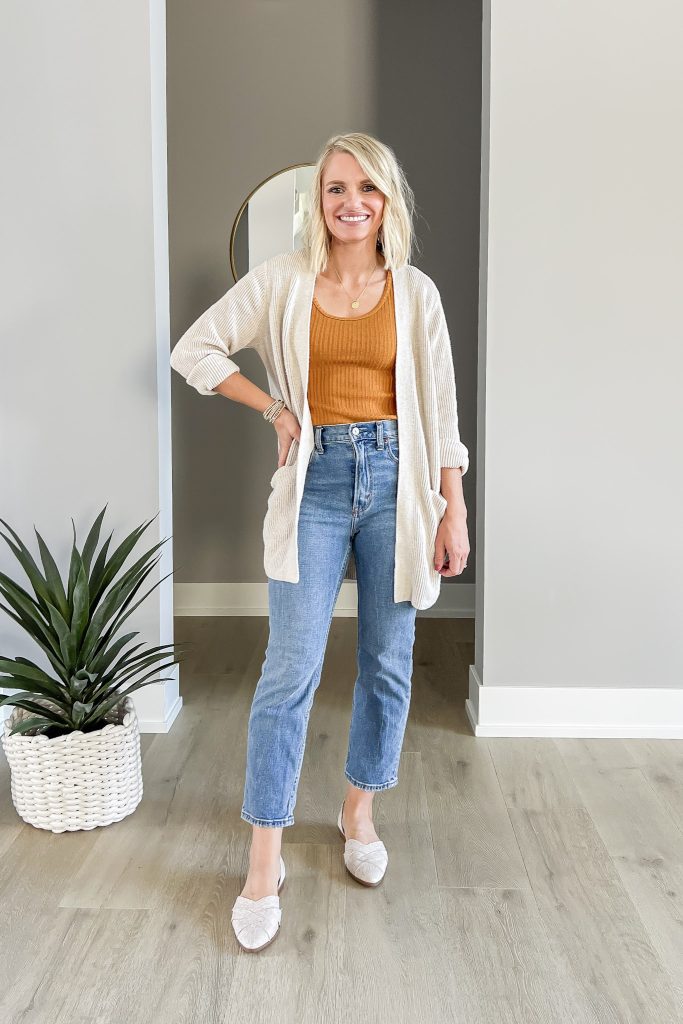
(579,539)
(85,411)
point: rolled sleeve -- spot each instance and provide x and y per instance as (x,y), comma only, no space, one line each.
(452,451)
(238,320)
(209,372)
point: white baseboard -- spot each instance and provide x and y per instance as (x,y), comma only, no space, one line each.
(575,711)
(159,724)
(456,600)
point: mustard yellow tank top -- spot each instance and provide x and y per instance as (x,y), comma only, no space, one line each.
(351,374)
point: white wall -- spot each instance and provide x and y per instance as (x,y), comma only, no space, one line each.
(85,416)
(581,360)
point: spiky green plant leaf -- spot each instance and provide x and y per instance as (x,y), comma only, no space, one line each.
(92,539)
(27,562)
(75,627)
(27,724)
(54,580)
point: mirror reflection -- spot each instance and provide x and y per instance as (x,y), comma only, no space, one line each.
(271,218)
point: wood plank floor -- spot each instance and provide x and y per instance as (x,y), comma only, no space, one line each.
(529,880)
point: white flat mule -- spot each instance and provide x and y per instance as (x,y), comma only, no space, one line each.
(257,922)
(367,862)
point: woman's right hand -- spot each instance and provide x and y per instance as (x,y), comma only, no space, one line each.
(287,428)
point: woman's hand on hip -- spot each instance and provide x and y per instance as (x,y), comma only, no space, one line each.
(288,429)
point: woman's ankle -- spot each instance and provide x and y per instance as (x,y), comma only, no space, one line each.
(264,852)
(358,804)
(262,878)
(256,886)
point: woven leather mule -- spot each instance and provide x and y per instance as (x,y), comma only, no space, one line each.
(257,922)
(367,862)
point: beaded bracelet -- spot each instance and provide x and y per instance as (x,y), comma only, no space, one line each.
(274,410)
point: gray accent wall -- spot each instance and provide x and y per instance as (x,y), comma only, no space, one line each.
(253,88)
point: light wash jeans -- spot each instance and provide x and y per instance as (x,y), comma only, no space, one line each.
(349,501)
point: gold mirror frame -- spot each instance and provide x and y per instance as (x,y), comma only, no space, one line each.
(233,233)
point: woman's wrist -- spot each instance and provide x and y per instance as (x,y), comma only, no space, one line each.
(451,490)
(273,410)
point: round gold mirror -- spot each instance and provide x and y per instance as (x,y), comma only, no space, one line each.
(270,220)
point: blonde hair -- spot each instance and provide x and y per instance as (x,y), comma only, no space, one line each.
(395,238)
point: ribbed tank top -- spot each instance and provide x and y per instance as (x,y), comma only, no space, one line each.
(351,374)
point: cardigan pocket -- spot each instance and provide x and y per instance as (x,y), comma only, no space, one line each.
(290,460)
(440,505)
(437,506)
(430,507)
(279,524)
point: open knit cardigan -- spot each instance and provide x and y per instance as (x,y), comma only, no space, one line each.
(269,309)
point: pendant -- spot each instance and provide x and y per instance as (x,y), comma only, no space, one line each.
(355,304)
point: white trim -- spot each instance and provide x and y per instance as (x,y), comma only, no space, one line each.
(168,691)
(161,725)
(456,601)
(645,712)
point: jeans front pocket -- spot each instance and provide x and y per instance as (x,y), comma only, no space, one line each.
(391,448)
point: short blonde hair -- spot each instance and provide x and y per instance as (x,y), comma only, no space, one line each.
(395,237)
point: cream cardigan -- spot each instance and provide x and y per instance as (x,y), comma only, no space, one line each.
(269,309)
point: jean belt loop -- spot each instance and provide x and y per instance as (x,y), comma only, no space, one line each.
(318,444)
(380,433)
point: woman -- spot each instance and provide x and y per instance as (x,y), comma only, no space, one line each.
(356,350)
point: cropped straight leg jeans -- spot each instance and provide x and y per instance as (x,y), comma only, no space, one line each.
(349,502)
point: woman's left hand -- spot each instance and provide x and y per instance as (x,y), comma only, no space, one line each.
(452,545)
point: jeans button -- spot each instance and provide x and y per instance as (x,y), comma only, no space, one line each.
(355,430)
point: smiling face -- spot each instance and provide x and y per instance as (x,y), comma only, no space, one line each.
(352,205)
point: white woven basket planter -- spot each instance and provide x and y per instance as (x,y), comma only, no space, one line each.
(80,780)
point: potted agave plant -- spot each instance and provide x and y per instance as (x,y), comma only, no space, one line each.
(72,741)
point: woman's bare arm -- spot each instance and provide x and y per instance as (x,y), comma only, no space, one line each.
(240,389)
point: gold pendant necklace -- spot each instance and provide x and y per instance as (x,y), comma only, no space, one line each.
(354,302)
